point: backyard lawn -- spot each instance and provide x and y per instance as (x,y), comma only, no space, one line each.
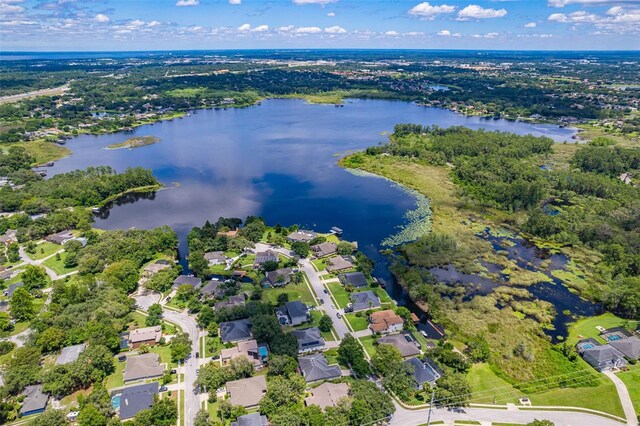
(587,327)
(58,265)
(44,249)
(357,323)
(114,380)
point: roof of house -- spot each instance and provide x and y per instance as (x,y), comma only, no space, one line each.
(365,300)
(401,343)
(247,392)
(34,399)
(315,367)
(70,354)
(338,263)
(265,256)
(324,249)
(136,398)
(382,320)
(232,302)
(602,353)
(60,237)
(585,344)
(327,394)
(424,371)
(355,279)
(253,419)
(248,348)
(308,338)
(187,279)
(154,268)
(210,288)
(302,236)
(630,346)
(274,276)
(12,288)
(215,255)
(143,366)
(433,330)
(231,331)
(145,334)
(297,309)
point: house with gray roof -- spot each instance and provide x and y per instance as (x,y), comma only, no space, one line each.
(324,249)
(142,367)
(338,264)
(134,399)
(247,392)
(231,302)
(235,331)
(364,300)
(279,277)
(212,289)
(264,256)
(353,279)
(253,419)
(215,258)
(34,402)
(186,279)
(297,312)
(423,371)
(630,347)
(70,354)
(301,236)
(316,367)
(604,358)
(309,339)
(406,347)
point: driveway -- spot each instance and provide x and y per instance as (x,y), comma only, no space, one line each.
(625,399)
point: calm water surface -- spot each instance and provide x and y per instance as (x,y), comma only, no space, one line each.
(276,160)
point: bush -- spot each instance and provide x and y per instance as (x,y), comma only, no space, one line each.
(6,347)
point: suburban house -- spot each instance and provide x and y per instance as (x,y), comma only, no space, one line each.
(626,178)
(324,249)
(235,331)
(247,392)
(338,264)
(231,302)
(327,395)
(9,237)
(253,419)
(432,330)
(212,289)
(186,279)
(230,234)
(293,313)
(60,238)
(604,357)
(353,279)
(315,367)
(154,268)
(364,300)
(278,278)
(629,346)
(34,402)
(386,321)
(142,367)
(406,347)
(301,236)
(12,288)
(309,339)
(248,348)
(145,336)
(215,258)
(134,399)
(423,371)
(70,354)
(264,256)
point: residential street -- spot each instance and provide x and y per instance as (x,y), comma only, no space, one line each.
(52,274)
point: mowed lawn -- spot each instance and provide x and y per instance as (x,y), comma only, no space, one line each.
(339,293)
(631,379)
(587,327)
(295,291)
(58,265)
(357,323)
(44,249)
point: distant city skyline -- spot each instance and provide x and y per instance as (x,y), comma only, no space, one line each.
(87,25)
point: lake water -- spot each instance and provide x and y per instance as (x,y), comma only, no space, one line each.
(276,160)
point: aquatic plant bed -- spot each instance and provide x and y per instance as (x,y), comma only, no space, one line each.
(135,142)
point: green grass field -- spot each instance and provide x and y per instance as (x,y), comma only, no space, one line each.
(44,249)
(339,293)
(58,265)
(114,380)
(295,291)
(320,264)
(357,323)
(367,342)
(631,379)
(587,327)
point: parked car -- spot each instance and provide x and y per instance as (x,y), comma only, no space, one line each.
(197,354)
(424,333)
(122,358)
(321,301)
(325,291)
(173,371)
(338,315)
(163,389)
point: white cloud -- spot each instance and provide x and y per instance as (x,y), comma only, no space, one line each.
(153,24)
(488,35)
(235,1)
(308,30)
(335,30)
(187,2)
(563,3)
(414,33)
(445,33)
(617,19)
(7,8)
(244,27)
(321,2)
(392,33)
(331,14)
(100,17)
(427,11)
(286,29)
(530,25)
(260,29)
(473,11)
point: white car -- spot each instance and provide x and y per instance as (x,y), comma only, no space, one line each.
(72,416)
(424,333)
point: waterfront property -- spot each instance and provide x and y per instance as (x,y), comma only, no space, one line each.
(149,336)
(327,395)
(134,399)
(604,358)
(263,257)
(35,401)
(278,278)
(338,264)
(212,289)
(629,347)
(235,331)
(301,236)
(316,367)
(215,258)
(407,348)
(154,268)
(60,238)
(364,300)
(353,279)
(386,321)
(194,282)
(140,367)
(247,392)
(231,302)
(70,354)
(324,249)
(309,340)
(423,371)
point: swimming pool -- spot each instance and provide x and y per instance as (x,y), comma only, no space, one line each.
(613,337)
(115,402)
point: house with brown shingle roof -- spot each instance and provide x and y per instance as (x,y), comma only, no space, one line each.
(327,395)
(324,249)
(248,349)
(247,392)
(145,336)
(338,264)
(142,367)
(385,322)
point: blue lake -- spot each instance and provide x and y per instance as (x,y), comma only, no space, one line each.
(276,160)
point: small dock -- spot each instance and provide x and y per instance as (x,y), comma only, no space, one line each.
(335,231)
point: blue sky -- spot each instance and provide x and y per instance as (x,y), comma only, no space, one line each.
(37,25)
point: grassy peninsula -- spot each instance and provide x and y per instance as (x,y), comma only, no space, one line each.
(135,142)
